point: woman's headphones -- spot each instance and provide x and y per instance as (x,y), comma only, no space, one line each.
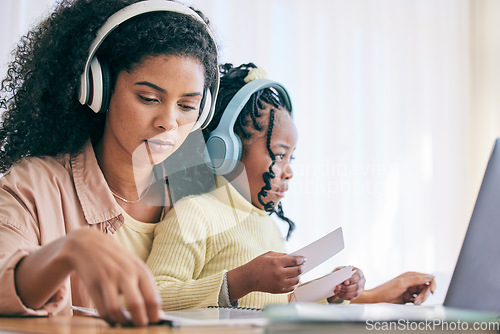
(95,82)
(223,147)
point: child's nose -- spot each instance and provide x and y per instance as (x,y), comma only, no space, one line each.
(288,172)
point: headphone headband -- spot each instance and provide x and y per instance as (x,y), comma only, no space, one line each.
(223,148)
(241,98)
(85,93)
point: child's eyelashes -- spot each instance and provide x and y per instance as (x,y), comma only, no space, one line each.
(282,156)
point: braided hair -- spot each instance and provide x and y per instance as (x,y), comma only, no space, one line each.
(41,115)
(248,121)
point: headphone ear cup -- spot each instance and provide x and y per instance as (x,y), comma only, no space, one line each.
(206,112)
(238,151)
(106,86)
(234,147)
(223,152)
(215,153)
(99,86)
(94,100)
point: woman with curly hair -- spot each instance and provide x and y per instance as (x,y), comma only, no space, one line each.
(97,97)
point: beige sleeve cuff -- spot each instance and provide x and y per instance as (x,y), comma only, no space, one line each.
(11,304)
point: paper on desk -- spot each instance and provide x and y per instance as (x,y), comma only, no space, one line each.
(322,287)
(322,249)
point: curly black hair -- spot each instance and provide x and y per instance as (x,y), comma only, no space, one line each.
(232,80)
(41,112)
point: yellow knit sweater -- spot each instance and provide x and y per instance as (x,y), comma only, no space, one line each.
(203,235)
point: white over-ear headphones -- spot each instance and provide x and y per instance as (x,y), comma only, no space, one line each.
(223,147)
(95,88)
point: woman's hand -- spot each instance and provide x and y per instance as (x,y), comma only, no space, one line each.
(350,288)
(270,272)
(410,287)
(107,270)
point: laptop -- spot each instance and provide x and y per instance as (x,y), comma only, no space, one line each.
(475,283)
(474,290)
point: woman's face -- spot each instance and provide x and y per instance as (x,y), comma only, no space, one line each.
(257,160)
(153,108)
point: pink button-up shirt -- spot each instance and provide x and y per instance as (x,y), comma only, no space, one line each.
(41,200)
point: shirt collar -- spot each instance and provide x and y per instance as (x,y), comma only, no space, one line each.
(97,201)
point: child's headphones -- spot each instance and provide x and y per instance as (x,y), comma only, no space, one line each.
(223,147)
(95,82)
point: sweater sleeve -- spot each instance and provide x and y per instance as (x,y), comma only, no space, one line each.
(181,248)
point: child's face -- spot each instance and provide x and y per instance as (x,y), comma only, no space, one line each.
(257,160)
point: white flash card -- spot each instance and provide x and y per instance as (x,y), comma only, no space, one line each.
(322,249)
(322,288)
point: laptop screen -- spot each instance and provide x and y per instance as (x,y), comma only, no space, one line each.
(475,283)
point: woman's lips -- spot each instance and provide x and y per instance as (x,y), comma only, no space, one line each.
(160,146)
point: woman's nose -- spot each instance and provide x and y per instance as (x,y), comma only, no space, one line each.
(166,119)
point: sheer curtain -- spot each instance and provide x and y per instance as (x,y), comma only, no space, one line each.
(397,107)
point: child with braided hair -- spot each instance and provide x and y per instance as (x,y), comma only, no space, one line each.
(222,248)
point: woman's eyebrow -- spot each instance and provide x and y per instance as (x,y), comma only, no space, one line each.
(152,85)
(158,88)
(193,94)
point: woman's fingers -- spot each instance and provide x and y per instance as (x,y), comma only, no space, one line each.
(135,304)
(116,282)
(113,311)
(152,299)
